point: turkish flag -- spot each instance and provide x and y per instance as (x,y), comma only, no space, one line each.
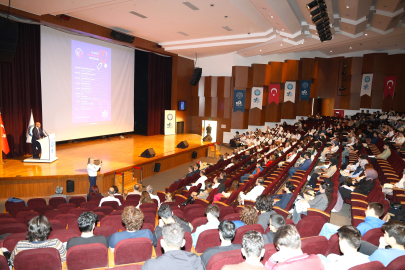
(6,148)
(389,86)
(274,93)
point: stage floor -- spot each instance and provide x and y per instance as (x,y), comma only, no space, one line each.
(115,154)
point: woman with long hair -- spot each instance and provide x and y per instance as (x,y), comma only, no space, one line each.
(145,198)
(94,192)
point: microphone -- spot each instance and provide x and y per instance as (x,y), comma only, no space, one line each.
(45,132)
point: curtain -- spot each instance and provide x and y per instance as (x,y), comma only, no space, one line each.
(20,89)
(159,91)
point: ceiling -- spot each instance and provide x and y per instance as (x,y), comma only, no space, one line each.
(247,27)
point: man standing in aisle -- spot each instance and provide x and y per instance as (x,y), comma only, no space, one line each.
(92,170)
(37,134)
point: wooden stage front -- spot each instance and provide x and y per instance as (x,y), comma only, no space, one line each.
(19,179)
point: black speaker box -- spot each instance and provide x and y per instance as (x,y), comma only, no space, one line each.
(183,145)
(194,156)
(70,186)
(122,37)
(196,76)
(8,39)
(157,167)
(148,153)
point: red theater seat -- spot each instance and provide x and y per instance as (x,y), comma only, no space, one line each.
(132,251)
(187,246)
(78,211)
(207,239)
(104,209)
(65,208)
(112,204)
(25,216)
(113,222)
(221,259)
(64,235)
(242,230)
(11,240)
(106,231)
(43,209)
(89,205)
(40,258)
(371,266)
(13,228)
(77,200)
(56,225)
(54,202)
(51,215)
(314,245)
(67,219)
(87,256)
(36,202)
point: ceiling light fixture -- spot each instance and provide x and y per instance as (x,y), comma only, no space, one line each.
(281,44)
(347,6)
(366,34)
(330,51)
(282,29)
(260,50)
(350,48)
(272,17)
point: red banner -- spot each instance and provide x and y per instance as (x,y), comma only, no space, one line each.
(6,148)
(274,93)
(389,86)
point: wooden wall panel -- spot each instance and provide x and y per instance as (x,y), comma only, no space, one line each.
(201,106)
(208,106)
(288,110)
(306,68)
(240,76)
(273,112)
(256,117)
(259,74)
(304,107)
(355,85)
(239,120)
(276,72)
(290,70)
(207,86)
(377,90)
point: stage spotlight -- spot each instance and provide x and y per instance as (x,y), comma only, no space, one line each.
(318,10)
(312,5)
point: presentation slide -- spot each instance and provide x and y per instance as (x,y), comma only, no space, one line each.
(91,82)
(87,86)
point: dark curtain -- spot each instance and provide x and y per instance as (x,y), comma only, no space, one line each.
(141,92)
(159,94)
(20,89)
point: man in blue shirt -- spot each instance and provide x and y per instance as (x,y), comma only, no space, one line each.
(133,220)
(394,236)
(304,166)
(372,221)
(256,171)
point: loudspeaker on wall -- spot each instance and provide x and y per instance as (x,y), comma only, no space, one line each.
(196,76)
(70,186)
(157,167)
(122,37)
(148,153)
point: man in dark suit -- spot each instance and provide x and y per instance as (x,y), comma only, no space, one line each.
(37,134)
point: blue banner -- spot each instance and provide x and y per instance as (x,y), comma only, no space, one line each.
(239,97)
(305,90)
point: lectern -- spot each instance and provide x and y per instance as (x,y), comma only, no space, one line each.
(48,150)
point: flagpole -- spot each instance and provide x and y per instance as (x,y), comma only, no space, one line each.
(1,144)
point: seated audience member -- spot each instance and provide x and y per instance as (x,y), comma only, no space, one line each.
(221,159)
(200,180)
(212,212)
(110,197)
(196,168)
(190,171)
(364,184)
(289,157)
(94,191)
(374,140)
(115,190)
(150,189)
(234,186)
(137,190)
(39,229)
(392,244)
(285,197)
(384,155)
(166,217)
(254,193)
(132,218)
(373,212)
(287,240)
(58,193)
(264,204)
(87,222)
(173,258)
(254,173)
(349,243)
(204,195)
(324,172)
(248,216)
(304,166)
(271,160)
(145,198)
(227,232)
(276,221)
(320,201)
(252,250)
(168,197)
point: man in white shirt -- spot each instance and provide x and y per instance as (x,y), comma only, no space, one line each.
(230,164)
(212,212)
(137,188)
(349,243)
(110,197)
(254,193)
(149,189)
(201,180)
(92,170)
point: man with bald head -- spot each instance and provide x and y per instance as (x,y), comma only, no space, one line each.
(37,134)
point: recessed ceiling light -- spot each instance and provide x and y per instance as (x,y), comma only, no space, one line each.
(366,34)
(281,44)
(272,17)
(260,50)
(282,29)
(347,6)
(350,48)
(330,51)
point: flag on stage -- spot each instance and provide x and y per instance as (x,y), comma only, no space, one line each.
(289,91)
(30,127)
(274,93)
(366,84)
(389,86)
(257,98)
(6,148)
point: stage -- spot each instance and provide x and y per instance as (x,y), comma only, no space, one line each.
(19,179)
